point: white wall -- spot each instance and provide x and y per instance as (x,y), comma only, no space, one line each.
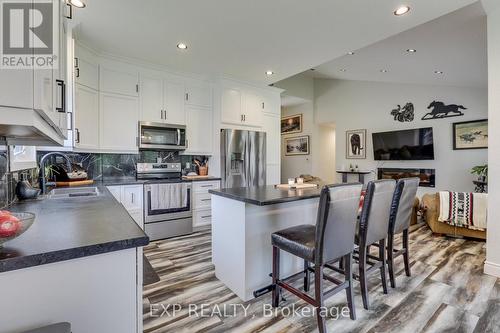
(367,105)
(492,265)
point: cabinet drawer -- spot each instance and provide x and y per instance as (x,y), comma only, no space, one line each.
(202,201)
(203,187)
(202,217)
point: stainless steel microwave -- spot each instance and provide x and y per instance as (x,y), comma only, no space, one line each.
(162,136)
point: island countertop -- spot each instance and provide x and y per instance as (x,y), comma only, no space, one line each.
(267,195)
(69,228)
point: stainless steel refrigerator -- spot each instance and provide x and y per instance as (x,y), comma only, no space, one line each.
(243,158)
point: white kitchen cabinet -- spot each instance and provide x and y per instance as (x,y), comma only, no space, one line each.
(202,218)
(199,122)
(131,197)
(254,105)
(198,94)
(271,125)
(118,126)
(162,101)
(231,106)
(17,88)
(118,82)
(202,202)
(116,191)
(86,71)
(86,118)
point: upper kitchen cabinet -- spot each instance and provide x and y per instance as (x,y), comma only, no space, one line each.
(199,94)
(112,80)
(118,125)
(86,72)
(199,130)
(162,100)
(231,101)
(86,118)
(254,106)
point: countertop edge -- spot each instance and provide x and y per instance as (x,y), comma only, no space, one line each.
(264,202)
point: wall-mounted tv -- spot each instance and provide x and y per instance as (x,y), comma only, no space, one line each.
(413,144)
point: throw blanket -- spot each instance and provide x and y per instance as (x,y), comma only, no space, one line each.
(463,209)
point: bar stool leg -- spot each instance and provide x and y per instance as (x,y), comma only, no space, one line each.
(307,276)
(390,260)
(383,274)
(362,277)
(349,290)
(276,274)
(406,252)
(318,286)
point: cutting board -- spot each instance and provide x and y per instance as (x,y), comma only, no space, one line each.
(296,186)
(75,183)
(195,177)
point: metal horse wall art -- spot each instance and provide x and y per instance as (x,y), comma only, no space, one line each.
(440,110)
(407,113)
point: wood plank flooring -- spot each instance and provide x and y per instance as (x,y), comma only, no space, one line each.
(447,292)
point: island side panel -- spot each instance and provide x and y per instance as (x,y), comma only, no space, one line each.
(228,242)
(260,223)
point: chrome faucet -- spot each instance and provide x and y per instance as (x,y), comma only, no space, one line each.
(43,182)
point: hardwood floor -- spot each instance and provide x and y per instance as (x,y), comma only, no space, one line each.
(447,292)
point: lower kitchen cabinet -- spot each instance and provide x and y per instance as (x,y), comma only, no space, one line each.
(202,203)
(131,197)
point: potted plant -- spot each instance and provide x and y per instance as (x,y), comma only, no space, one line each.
(481,171)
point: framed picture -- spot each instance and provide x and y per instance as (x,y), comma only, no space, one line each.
(291,124)
(356,144)
(470,134)
(298,145)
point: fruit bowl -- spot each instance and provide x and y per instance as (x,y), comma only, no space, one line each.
(13,225)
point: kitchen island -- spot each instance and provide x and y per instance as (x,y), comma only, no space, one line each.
(80,262)
(243,220)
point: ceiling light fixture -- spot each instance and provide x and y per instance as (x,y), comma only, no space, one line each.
(401,10)
(182,46)
(343,70)
(383,71)
(269,73)
(77,3)
(438,72)
(351,53)
(411,50)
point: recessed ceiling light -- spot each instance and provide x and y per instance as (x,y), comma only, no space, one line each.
(383,71)
(182,46)
(312,69)
(438,72)
(411,50)
(343,70)
(269,73)
(77,3)
(351,53)
(401,10)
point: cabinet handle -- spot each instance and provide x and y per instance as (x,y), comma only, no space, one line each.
(165,114)
(61,84)
(161,114)
(206,185)
(133,198)
(137,141)
(77,139)
(263,105)
(76,62)
(70,14)
(77,72)
(206,199)
(206,216)
(187,97)
(136,88)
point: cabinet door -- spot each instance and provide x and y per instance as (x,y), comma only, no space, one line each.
(202,218)
(271,125)
(117,82)
(151,93)
(271,104)
(116,191)
(132,197)
(87,72)
(252,115)
(231,106)
(174,103)
(16,86)
(119,117)
(199,130)
(43,95)
(86,115)
(200,95)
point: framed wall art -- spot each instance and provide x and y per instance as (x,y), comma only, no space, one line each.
(356,144)
(470,134)
(291,124)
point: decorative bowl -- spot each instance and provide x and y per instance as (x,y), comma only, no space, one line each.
(13,224)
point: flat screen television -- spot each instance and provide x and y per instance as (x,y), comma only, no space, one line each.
(413,144)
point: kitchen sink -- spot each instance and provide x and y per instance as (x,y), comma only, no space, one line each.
(78,192)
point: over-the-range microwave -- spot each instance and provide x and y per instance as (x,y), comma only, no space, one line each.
(162,136)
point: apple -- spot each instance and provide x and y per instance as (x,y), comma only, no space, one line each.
(5,212)
(9,225)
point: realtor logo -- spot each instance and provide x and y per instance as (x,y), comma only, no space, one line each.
(28,34)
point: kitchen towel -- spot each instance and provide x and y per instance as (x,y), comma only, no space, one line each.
(169,196)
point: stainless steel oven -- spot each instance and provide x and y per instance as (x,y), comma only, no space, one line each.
(162,136)
(167,222)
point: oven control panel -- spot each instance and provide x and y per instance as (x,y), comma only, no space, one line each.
(158,167)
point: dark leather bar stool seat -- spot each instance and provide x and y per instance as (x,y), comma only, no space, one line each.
(330,240)
(54,328)
(299,241)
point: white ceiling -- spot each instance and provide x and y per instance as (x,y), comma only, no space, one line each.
(455,44)
(244,38)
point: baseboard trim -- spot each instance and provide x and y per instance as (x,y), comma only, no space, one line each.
(492,269)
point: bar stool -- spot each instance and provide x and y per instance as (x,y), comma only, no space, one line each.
(373,226)
(327,242)
(54,328)
(399,222)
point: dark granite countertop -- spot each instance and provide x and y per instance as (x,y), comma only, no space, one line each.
(266,195)
(71,228)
